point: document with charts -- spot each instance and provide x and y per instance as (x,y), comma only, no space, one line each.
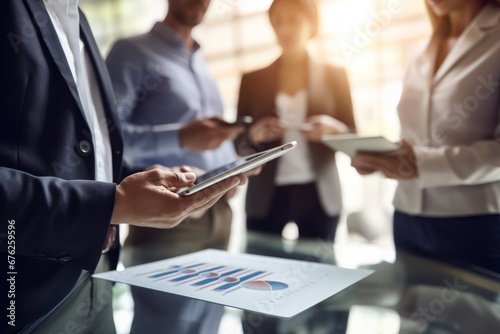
(262,284)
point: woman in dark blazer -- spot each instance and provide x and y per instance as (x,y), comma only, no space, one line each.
(295,98)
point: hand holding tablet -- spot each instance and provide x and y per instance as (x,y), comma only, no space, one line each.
(236,167)
(352,143)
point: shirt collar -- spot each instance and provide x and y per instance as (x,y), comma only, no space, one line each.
(171,37)
(488,17)
(66,12)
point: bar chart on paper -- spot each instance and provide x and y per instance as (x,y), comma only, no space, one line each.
(262,284)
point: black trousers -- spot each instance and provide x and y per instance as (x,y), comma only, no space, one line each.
(466,241)
(300,204)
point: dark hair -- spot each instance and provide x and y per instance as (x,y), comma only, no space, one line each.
(310,8)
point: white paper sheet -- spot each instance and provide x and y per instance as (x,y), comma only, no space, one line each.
(267,285)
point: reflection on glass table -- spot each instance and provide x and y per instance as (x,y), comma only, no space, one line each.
(406,294)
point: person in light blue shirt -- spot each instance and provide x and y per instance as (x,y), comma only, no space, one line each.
(161,87)
(171,113)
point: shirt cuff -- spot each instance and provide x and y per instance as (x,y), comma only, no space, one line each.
(434,169)
(167,138)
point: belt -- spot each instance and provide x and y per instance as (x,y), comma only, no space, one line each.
(110,238)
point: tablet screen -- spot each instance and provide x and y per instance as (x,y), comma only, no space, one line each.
(238,166)
(222,169)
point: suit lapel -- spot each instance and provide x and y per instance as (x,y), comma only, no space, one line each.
(315,76)
(470,38)
(320,92)
(99,67)
(106,89)
(270,85)
(48,33)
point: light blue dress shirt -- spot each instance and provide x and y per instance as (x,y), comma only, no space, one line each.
(161,85)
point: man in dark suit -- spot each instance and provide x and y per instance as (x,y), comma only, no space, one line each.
(60,161)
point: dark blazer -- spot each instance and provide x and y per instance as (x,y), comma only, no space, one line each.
(328,93)
(47,163)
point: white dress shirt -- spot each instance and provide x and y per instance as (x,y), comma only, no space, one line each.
(66,21)
(452,119)
(295,167)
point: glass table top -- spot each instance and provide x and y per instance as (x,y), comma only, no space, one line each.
(405,294)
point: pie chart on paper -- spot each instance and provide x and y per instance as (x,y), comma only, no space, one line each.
(210,274)
(264,285)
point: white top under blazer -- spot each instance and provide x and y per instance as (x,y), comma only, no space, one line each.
(452,119)
(295,167)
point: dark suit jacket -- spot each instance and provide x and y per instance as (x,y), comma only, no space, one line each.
(61,216)
(328,93)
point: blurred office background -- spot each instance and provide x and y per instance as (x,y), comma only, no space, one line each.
(373,39)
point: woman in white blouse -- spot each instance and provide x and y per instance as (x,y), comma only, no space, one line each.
(448,165)
(295,98)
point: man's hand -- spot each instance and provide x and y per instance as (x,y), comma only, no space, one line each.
(148,198)
(323,125)
(399,165)
(207,134)
(199,172)
(265,130)
(180,169)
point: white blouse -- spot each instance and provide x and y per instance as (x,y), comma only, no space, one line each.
(294,167)
(452,119)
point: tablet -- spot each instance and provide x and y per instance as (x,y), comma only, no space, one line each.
(352,143)
(236,167)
